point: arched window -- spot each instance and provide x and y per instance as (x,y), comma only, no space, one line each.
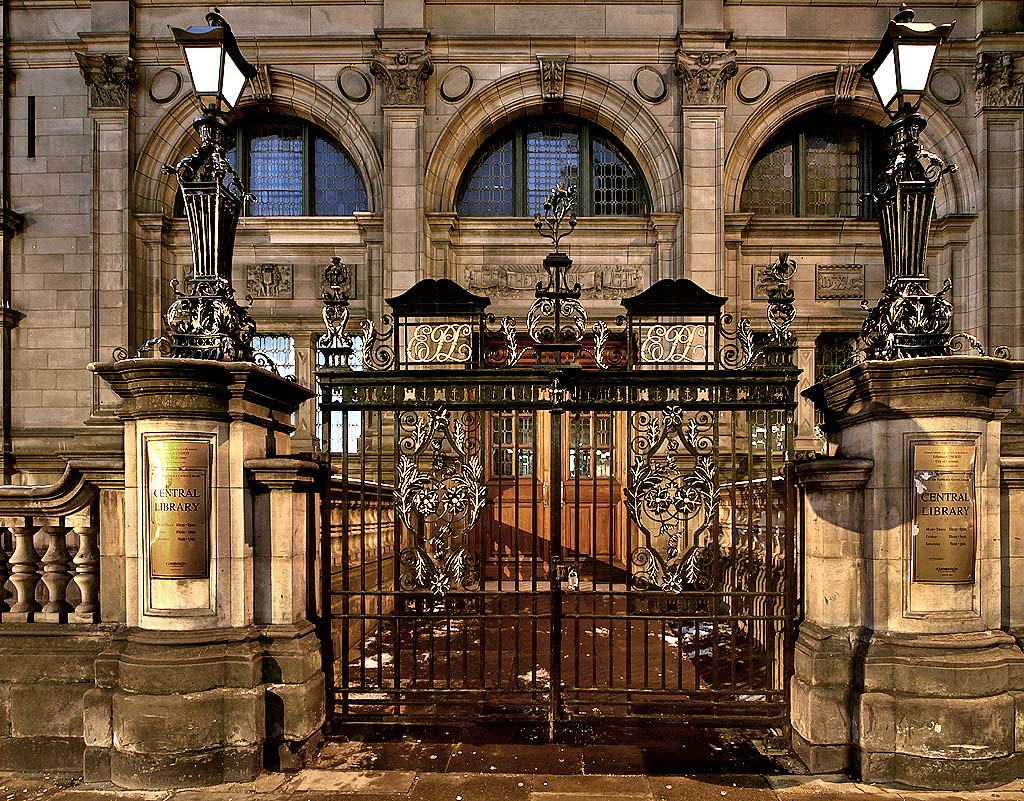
(513,173)
(819,165)
(295,169)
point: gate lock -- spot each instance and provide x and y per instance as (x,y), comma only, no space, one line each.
(567,575)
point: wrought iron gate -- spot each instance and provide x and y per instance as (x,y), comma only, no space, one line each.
(588,525)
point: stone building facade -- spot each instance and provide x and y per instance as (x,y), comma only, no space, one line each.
(731,131)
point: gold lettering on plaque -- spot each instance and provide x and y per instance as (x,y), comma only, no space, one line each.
(945,537)
(178,499)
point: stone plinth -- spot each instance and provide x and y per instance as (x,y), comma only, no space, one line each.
(901,671)
(218,667)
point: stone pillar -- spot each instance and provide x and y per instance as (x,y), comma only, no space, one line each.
(901,670)
(212,655)
(401,66)
(109,77)
(704,68)
(999,96)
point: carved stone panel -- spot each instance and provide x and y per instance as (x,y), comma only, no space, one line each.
(269,280)
(597,281)
(704,75)
(839,282)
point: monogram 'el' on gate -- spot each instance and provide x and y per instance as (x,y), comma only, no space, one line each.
(575,521)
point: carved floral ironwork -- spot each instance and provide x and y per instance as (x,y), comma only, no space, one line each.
(672,496)
(438,504)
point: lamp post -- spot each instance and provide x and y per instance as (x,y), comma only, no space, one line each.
(205,321)
(908,321)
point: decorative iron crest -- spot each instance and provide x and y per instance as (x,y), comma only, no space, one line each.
(205,322)
(672,496)
(336,343)
(441,504)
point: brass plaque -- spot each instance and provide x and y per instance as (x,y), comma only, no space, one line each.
(945,511)
(178,499)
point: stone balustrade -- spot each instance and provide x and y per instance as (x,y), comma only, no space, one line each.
(50,548)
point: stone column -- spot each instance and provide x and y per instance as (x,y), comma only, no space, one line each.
(188,688)
(401,65)
(704,68)
(901,669)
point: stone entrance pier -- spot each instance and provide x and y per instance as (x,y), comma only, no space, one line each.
(902,671)
(216,670)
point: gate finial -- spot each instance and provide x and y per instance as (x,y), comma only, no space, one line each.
(561,202)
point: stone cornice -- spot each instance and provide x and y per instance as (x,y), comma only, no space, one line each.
(937,386)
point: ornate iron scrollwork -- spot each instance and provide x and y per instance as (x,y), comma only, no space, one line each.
(378,350)
(673,498)
(441,504)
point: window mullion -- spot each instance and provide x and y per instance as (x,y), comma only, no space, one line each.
(308,201)
(519,174)
(586,171)
(799,175)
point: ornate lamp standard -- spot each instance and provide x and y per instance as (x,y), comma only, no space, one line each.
(908,320)
(204,321)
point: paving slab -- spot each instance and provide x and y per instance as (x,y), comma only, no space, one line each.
(516,758)
(462,787)
(358,781)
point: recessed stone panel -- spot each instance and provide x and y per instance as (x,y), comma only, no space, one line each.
(649,84)
(753,84)
(456,84)
(354,84)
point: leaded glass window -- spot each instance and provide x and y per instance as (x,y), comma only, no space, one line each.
(833,352)
(514,172)
(294,169)
(279,348)
(512,444)
(820,165)
(346,427)
(590,445)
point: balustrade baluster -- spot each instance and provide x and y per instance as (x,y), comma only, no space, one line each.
(87,575)
(56,574)
(24,563)
(5,570)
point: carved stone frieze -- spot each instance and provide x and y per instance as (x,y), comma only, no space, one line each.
(598,281)
(108,77)
(402,75)
(552,76)
(269,280)
(999,80)
(704,75)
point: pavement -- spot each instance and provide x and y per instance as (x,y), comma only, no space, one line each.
(453,768)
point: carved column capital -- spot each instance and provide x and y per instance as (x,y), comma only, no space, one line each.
(704,74)
(109,78)
(999,80)
(402,75)
(552,76)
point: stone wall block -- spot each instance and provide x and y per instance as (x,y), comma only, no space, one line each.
(97,724)
(244,723)
(820,714)
(296,711)
(47,710)
(5,710)
(876,722)
(155,724)
(41,754)
(975,729)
